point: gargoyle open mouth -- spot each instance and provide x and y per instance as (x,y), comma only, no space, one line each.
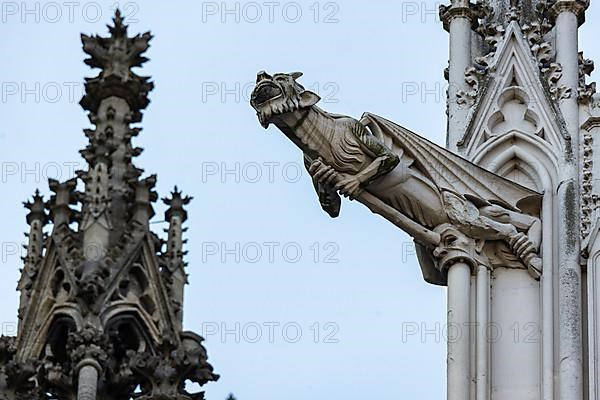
(279,94)
(265,92)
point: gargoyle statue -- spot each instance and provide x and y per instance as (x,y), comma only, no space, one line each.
(412,182)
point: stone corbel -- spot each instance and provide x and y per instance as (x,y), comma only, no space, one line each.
(456,247)
(458,257)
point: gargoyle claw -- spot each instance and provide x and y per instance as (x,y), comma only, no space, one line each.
(322,172)
(535,267)
(524,248)
(349,187)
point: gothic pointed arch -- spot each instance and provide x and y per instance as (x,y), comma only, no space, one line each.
(516,151)
(512,95)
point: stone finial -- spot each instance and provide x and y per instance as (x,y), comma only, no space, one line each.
(36,218)
(176,203)
(37,209)
(115,56)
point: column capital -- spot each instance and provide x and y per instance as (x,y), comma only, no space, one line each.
(455,247)
(458,9)
(88,348)
(576,7)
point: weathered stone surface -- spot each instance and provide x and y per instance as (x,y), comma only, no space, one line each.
(410,181)
(101,307)
(519,105)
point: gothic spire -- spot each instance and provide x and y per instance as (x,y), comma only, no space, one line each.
(175,274)
(115,56)
(114,98)
(101,301)
(36,219)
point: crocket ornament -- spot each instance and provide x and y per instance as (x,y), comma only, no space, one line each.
(415,184)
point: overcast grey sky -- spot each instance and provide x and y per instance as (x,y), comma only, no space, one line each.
(292,303)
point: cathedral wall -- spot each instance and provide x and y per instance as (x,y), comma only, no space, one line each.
(514,335)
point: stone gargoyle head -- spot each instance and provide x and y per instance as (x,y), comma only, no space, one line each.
(279,94)
(91,275)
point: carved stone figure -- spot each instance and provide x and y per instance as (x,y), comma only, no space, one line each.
(410,181)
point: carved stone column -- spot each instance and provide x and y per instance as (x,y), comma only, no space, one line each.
(569,15)
(88,379)
(455,255)
(482,346)
(88,352)
(457,21)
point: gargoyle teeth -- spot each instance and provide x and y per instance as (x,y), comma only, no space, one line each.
(267,114)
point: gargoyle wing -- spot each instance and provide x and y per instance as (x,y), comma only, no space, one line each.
(451,172)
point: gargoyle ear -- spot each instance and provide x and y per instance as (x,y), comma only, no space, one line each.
(308,99)
(296,75)
(261,75)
